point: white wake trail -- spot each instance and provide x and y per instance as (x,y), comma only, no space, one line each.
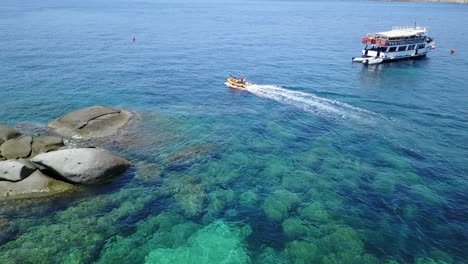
(312,103)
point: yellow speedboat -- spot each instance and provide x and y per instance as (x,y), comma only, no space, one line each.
(234,83)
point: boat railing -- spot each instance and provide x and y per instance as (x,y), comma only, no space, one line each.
(425,29)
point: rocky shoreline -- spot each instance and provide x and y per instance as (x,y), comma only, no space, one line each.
(438,1)
(48,164)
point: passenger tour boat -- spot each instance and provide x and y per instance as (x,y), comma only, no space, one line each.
(399,43)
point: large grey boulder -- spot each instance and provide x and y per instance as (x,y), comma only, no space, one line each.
(36,185)
(14,170)
(46,144)
(82,165)
(7,133)
(16,148)
(91,122)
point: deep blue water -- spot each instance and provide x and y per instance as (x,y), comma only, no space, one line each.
(324,161)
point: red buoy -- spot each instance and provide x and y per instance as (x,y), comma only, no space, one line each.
(133,39)
(452,51)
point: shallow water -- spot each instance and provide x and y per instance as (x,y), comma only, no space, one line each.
(323,161)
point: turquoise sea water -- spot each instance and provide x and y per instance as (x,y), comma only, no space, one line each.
(324,161)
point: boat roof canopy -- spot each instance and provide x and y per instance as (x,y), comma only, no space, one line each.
(401,32)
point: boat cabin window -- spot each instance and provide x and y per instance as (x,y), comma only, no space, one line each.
(421,46)
(375,48)
(402,48)
(411,47)
(392,49)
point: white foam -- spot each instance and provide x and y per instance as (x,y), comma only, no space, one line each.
(312,103)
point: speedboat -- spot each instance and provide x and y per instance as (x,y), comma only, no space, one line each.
(234,83)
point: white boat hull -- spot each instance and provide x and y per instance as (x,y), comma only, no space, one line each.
(369,60)
(377,54)
(373,61)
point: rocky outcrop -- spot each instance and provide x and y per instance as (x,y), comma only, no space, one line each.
(83,165)
(7,133)
(36,185)
(13,170)
(16,148)
(45,144)
(91,122)
(46,165)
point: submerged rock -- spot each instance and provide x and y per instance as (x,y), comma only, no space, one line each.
(214,244)
(278,204)
(7,230)
(190,155)
(191,198)
(16,148)
(147,171)
(36,185)
(13,170)
(82,165)
(314,212)
(91,122)
(165,230)
(295,228)
(270,256)
(302,252)
(45,144)
(249,198)
(7,133)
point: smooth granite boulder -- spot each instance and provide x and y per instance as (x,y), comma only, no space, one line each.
(16,148)
(91,122)
(82,165)
(28,163)
(7,133)
(14,170)
(36,185)
(45,144)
